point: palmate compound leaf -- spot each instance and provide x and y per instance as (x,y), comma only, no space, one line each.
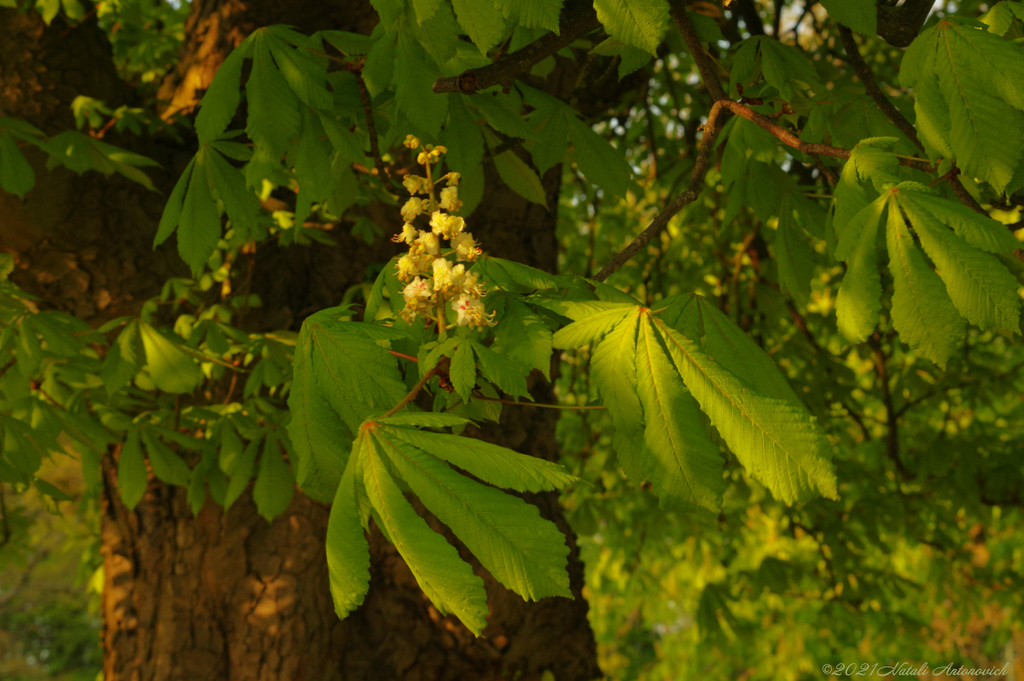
(969,88)
(521,550)
(775,439)
(981,289)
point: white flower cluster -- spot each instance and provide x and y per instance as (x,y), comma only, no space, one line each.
(441,281)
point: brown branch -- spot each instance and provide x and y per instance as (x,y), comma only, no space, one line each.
(963,194)
(411,394)
(659,223)
(892,439)
(378,162)
(705,66)
(575,22)
(536,404)
(871,86)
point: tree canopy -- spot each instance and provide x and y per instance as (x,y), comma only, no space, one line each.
(782,339)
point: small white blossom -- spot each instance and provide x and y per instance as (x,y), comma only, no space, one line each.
(450,199)
(407,236)
(465,247)
(412,208)
(470,312)
(429,243)
(471,286)
(408,267)
(413,183)
(417,290)
(442,275)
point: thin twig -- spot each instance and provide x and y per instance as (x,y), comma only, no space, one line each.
(892,440)
(403,356)
(868,78)
(705,65)
(659,223)
(378,162)
(412,394)
(535,404)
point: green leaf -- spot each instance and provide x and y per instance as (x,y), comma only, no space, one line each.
(794,257)
(507,374)
(445,578)
(357,377)
(132,476)
(521,550)
(425,9)
(220,101)
(922,312)
(463,370)
(199,227)
(172,209)
(415,74)
(777,442)
(241,205)
(463,139)
(171,369)
(312,159)
(552,144)
(123,359)
(968,84)
(348,555)
(167,465)
(520,178)
(980,286)
(495,465)
(424,419)
(379,67)
(532,13)
(734,350)
(683,464)
(524,337)
(482,22)
(859,15)
(319,437)
(499,115)
(242,473)
(594,320)
(275,482)
(305,72)
(859,299)
(640,23)
(439,35)
(16,175)
(979,231)
(273,120)
(599,162)
(612,369)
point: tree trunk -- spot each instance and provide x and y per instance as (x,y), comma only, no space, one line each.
(228,596)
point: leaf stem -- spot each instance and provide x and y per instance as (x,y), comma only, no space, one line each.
(411,396)
(534,404)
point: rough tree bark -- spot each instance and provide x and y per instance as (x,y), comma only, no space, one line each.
(228,596)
